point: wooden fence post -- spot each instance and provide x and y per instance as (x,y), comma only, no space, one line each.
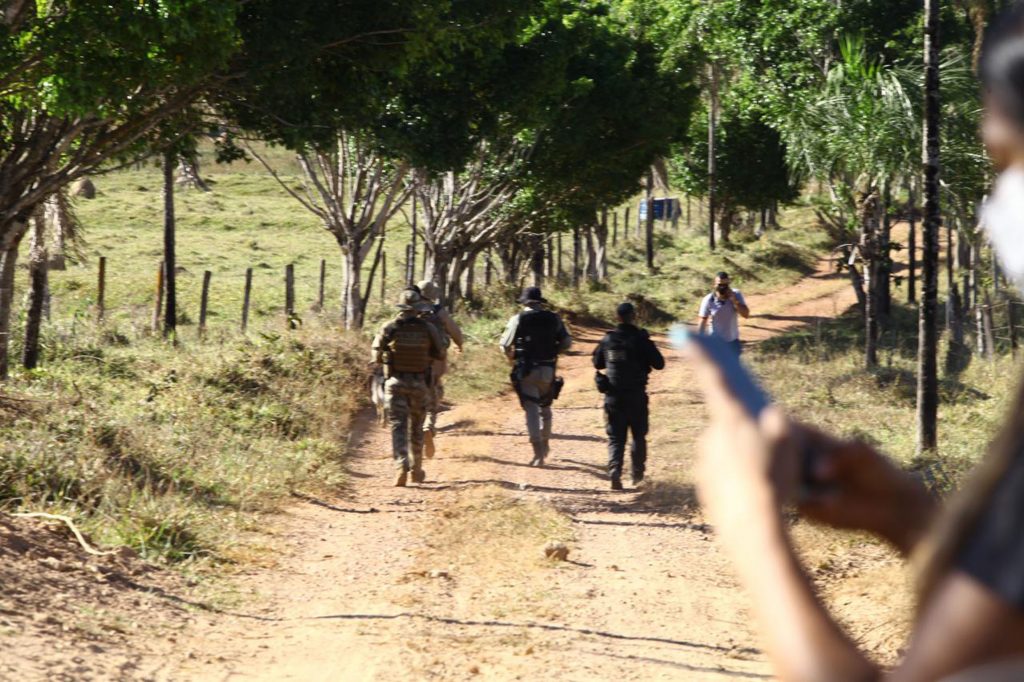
(101,293)
(289,294)
(1011,318)
(204,301)
(625,225)
(990,342)
(323,283)
(158,307)
(246,296)
(383,276)
(615,227)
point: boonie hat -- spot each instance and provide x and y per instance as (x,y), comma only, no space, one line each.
(532,295)
(410,299)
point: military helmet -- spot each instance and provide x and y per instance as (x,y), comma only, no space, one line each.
(430,290)
(410,299)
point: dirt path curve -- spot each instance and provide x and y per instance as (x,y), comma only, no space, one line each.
(446,580)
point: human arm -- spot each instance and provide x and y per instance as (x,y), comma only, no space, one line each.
(508,338)
(703,315)
(379,346)
(598,355)
(564,337)
(740,304)
(438,351)
(746,472)
(655,360)
(451,327)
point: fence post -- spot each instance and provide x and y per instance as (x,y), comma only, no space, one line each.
(204,301)
(615,227)
(990,344)
(158,307)
(101,293)
(383,276)
(625,225)
(1011,318)
(289,294)
(245,299)
(323,282)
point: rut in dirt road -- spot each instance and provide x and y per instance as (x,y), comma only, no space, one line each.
(447,580)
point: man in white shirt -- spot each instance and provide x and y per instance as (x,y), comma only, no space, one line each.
(722,308)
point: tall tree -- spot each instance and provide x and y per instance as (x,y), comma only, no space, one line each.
(928,340)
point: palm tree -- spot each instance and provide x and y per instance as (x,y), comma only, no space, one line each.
(856,135)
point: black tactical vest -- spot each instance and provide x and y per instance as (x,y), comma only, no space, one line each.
(409,346)
(537,336)
(624,360)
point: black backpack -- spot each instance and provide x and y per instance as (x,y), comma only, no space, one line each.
(537,336)
(624,360)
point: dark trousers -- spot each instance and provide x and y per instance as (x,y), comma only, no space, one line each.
(626,413)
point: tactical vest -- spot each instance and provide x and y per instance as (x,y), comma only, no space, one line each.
(409,346)
(537,336)
(624,360)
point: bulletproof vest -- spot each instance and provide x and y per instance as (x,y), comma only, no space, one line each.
(434,318)
(409,347)
(537,336)
(624,360)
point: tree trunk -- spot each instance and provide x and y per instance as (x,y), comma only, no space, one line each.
(857,282)
(576,248)
(928,339)
(911,245)
(591,268)
(649,223)
(39,292)
(558,259)
(470,277)
(537,261)
(885,258)
(351,289)
(170,274)
(870,252)
(601,247)
(712,160)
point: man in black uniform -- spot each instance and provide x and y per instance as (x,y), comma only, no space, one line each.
(532,342)
(628,354)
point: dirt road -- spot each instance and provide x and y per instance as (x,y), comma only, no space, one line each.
(448,581)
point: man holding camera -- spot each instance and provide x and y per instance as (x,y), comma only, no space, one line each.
(628,355)
(722,308)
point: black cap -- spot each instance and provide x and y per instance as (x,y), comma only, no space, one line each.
(722,275)
(625,311)
(532,295)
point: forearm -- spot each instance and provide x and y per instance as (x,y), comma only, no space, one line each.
(743,310)
(803,642)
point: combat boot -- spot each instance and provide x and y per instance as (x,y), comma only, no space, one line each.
(428,444)
(538,453)
(616,483)
(402,477)
(419,475)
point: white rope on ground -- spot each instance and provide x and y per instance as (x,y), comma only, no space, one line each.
(70,524)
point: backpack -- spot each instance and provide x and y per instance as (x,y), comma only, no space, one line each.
(624,360)
(434,318)
(409,346)
(536,338)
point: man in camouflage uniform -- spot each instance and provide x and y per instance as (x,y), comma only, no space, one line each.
(407,347)
(450,332)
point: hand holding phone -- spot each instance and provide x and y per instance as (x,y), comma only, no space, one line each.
(742,385)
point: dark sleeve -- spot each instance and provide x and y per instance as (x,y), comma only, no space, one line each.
(993,554)
(654,357)
(598,356)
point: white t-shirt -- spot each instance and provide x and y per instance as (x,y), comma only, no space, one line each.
(724,316)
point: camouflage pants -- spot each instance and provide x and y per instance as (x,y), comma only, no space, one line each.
(407,399)
(434,404)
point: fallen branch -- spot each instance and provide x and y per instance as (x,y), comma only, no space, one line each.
(71,526)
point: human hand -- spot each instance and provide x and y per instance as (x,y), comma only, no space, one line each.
(851,485)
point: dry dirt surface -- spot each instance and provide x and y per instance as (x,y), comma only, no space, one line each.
(449,580)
